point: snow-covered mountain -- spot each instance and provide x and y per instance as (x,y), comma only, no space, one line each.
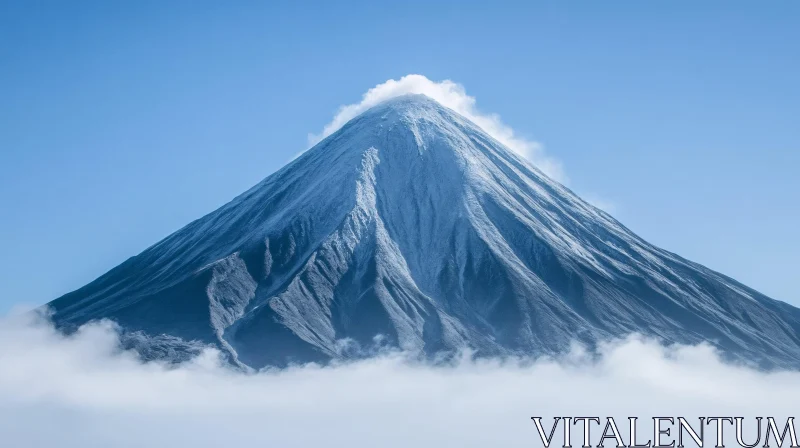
(411,227)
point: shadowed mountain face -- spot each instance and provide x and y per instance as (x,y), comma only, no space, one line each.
(410,227)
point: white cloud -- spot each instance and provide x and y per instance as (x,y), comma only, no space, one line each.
(81,391)
(452,95)
(601,203)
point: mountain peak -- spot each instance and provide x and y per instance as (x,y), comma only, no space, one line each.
(410,103)
(413,107)
(410,100)
(413,125)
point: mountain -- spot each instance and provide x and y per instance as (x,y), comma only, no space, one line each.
(410,227)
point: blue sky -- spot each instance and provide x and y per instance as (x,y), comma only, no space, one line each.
(122,122)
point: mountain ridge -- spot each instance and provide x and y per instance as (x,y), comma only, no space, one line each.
(412,223)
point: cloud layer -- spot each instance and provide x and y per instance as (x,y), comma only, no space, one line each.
(82,391)
(452,95)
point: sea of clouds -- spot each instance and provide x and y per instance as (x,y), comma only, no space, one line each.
(84,391)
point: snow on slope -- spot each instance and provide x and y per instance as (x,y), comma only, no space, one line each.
(413,225)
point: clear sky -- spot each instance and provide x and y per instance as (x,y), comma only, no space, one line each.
(120,122)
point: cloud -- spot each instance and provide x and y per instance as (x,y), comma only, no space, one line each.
(452,95)
(83,391)
(600,202)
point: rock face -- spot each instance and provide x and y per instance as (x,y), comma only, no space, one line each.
(410,227)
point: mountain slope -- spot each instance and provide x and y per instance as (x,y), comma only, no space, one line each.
(413,224)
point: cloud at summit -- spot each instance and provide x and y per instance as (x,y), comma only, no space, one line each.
(452,95)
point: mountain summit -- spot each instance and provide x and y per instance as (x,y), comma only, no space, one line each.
(410,227)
